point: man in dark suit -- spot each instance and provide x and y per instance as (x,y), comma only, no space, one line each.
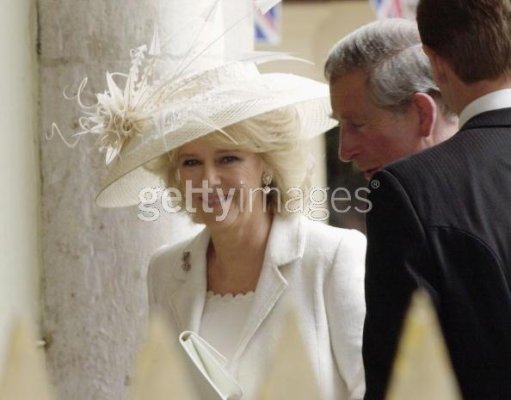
(441,219)
(384,96)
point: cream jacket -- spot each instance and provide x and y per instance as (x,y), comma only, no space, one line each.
(316,268)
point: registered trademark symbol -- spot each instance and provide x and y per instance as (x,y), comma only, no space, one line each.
(375,184)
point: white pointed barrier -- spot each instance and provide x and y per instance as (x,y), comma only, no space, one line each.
(25,376)
(160,372)
(422,369)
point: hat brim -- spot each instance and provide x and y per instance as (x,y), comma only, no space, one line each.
(127,178)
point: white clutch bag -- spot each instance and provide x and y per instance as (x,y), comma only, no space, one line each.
(208,369)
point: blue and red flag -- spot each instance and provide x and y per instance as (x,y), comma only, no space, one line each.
(395,8)
(268,26)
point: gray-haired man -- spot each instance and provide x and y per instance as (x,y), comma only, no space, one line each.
(384,96)
(388,106)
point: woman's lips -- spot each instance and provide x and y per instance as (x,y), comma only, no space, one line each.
(213,200)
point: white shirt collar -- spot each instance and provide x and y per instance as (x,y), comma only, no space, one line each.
(491,101)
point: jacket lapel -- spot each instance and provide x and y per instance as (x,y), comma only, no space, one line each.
(187,302)
(285,245)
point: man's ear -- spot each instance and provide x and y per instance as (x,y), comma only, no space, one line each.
(427,111)
(438,65)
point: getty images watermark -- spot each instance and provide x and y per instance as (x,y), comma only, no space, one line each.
(314,203)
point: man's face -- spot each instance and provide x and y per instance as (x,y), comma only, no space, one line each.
(370,136)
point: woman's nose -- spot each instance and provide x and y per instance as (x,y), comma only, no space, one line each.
(211,175)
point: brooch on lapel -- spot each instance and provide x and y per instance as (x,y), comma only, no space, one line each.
(186,266)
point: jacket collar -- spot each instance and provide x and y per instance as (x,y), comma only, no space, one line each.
(491,101)
(494,118)
(286,244)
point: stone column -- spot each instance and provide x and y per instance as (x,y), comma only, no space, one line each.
(19,167)
(95,259)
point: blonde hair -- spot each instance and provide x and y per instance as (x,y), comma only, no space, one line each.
(274,136)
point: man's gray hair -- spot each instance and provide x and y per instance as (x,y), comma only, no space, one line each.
(390,52)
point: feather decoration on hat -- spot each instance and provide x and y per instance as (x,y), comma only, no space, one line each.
(116,116)
(122,113)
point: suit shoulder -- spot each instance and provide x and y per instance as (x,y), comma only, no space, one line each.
(419,164)
(458,156)
(323,236)
(339,253)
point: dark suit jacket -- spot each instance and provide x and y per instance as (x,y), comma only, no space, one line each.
(441,220)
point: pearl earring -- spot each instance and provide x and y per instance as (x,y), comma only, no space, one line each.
(267,178)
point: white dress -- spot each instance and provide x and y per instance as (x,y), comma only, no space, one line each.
(232,311)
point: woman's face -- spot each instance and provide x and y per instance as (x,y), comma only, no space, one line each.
(216,182)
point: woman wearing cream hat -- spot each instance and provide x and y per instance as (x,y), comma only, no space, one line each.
(232,141)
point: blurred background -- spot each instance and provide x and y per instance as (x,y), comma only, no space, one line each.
(309,29)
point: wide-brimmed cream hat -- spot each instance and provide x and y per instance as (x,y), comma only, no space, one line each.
(151,116)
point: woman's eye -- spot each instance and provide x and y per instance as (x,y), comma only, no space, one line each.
(190,163)
(229,159)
